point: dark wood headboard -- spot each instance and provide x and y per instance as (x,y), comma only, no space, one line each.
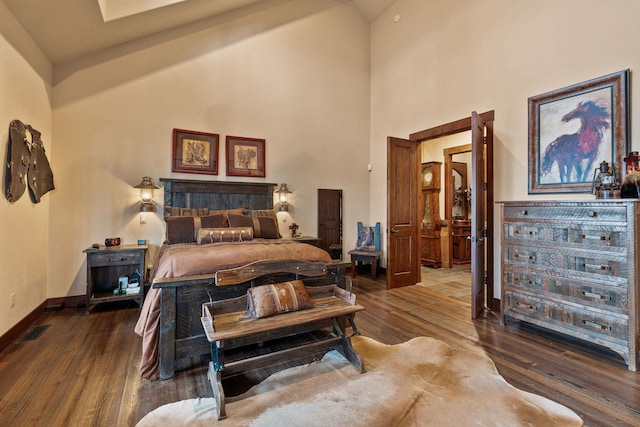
(188,193)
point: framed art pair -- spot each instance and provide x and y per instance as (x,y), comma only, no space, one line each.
(197,152)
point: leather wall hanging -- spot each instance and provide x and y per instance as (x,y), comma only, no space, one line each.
(27,164)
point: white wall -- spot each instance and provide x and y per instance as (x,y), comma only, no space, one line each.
(296,75)
(25,77)
(442,60)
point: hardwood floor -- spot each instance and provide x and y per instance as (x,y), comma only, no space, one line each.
(82,370)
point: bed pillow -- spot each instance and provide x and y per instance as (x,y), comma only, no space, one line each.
(225,234)
(263,227)
(269,300)
(171,211)
(184,229)
(225,213)
(270,213)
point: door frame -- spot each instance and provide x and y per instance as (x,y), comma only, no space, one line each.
(464,125)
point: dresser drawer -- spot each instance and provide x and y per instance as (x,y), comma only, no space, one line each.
(573,213)
(115,258)
(593,294)
(597,237)
(572,317)
(566,260)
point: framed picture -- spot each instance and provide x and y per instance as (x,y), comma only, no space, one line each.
(195,152)
(574,129)
(245,156)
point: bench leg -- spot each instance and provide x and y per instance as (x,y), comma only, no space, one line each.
(349,353)
(353,267)
(374,268)
(215,378)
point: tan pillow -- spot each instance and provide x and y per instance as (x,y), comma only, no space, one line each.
(184,229)
(263,226)
(171,211)
(268,300)
(225,234)
(270,213)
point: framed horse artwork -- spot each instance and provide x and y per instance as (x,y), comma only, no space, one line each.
(573,129)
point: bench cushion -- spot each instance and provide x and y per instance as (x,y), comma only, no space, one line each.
(268,300)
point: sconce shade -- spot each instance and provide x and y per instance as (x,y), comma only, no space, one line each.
(146,194)
(283,194)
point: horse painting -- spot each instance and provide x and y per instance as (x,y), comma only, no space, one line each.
(576,153)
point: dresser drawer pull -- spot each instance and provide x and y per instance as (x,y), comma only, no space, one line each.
(525,257)
(592,214)
(523,281)
(595,325)
(524,306)
(586,237)
(596,267)
(528,233)
(524,213)
(595,296)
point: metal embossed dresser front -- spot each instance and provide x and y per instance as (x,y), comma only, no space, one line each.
(570,266)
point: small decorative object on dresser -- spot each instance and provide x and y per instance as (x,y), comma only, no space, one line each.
(571,266)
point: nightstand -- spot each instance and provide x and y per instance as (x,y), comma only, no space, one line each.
(106,265)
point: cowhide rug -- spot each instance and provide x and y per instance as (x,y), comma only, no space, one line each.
(422,382)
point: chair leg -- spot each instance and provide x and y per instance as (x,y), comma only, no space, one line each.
(353,267)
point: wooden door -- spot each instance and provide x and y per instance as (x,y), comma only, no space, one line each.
(330,219)
(478,215)
(403,194)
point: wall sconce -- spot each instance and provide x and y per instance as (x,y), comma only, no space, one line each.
(283,194)
(146,194)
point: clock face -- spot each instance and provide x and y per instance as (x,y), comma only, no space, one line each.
(428,177)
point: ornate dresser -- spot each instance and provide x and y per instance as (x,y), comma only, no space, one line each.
(570,266)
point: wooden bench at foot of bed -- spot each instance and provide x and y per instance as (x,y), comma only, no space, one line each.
(229,327)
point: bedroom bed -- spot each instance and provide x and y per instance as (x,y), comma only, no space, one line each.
(213,226)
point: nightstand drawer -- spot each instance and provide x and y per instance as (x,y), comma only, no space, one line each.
(115,258)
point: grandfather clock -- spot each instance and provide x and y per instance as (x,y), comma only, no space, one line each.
(431,252)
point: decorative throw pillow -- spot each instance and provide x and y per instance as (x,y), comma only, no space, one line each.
(262,213)
(225,213)
(225,234)
(171,211)
(263,226)
(268,300)
(184,229)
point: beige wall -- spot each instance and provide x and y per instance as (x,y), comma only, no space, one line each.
(24,226)
(442,60)
(296,75)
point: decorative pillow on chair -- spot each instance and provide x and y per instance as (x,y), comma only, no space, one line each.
(268,300)
(184,229)
(263,226)
(225,234)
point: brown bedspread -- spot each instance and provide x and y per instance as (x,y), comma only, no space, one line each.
(188,259)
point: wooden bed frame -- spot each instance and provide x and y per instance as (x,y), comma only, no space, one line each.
(182,343)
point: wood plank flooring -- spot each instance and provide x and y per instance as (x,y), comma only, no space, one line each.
(82,370)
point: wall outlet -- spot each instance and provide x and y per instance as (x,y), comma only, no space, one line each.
(12,300)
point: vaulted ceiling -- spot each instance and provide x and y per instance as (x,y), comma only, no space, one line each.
(70,29)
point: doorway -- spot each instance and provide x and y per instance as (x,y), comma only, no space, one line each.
(404,175)
(330,221)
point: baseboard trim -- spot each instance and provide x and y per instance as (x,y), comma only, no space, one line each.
(21,327)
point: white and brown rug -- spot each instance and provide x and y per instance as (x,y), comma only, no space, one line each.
(422,382)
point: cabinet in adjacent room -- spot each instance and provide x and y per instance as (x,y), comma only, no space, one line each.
(431,251)
(571,266)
